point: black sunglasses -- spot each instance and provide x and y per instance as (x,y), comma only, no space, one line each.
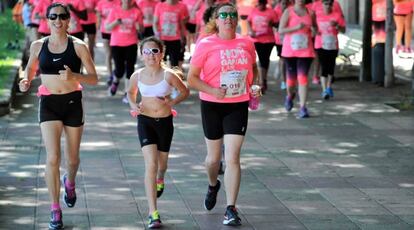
(61,16)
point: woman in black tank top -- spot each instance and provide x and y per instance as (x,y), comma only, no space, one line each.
(60,106)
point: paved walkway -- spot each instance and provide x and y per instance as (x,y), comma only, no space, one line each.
(349,166)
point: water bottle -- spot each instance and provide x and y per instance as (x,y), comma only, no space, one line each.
(254,97)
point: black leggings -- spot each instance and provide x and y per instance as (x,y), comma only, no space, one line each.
(327,58)
(173,50)
(124,57)
(263,51)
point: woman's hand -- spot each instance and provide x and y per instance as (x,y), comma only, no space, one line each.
(24,85)
(136,110)
(220,93)
(66,74)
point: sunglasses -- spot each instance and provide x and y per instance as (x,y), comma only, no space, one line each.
(56,16)
(148,51)
(224,15)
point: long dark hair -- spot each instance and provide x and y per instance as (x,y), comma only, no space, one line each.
(57,4)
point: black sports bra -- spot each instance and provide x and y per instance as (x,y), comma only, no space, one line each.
(51,63)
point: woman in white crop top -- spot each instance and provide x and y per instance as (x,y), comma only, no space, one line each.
(155,83)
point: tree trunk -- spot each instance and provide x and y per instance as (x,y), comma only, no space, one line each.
(389,29)
(365,73)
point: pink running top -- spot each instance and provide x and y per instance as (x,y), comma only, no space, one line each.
(262,24)
(226,62)
(147,8)
(317,7)
(169,19)
(190,4)
(379,10)
(327,38)
(124,34)
(403,7)
(90,6)
(104,7)
(298,43)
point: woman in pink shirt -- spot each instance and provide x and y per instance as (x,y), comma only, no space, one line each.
(170,18)
(39,11)
(222,68)
(329,23)
(379,13)
(260,25)
(147,8)
(297,26)
(123,22)
(89,25)
(403,15)
(103,9)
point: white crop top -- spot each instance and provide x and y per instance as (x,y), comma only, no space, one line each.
(160,89)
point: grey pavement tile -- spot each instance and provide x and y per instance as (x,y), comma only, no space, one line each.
(380,222)
(370,182)
(284,182)
(409,219)
(351,210)
(114,220)
(310,167)
(396,196)
(214,221)
(253,203)
(349,198)
(327,221)
(298,195)
(327,182)
(274,222)
(311,207)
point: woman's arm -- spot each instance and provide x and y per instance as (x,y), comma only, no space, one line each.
(174,80)
(31,66)
(195,82)
(283,23)
(132,91)
(82,51)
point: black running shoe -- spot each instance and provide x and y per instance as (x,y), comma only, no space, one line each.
(56,220)
(231,217)
(211,196)
(70,195)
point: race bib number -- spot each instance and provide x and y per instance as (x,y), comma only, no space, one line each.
(235,81)
(299,41)
(329,42)
(169,29)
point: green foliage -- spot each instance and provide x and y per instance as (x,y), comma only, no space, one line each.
(13,33)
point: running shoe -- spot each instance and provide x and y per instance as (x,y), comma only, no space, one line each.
(282,85)
(154,220)
(110,80)
(316,80)
(325,95)
(303,113)
(125,99)
(113,88)
(289,102)
(70,195)
(160,187)
(231,217)
(56,219)
(211,196)
(329,91)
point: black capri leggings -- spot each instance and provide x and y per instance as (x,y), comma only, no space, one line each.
(327,58)
(263,51)
(124,57)
(173,50)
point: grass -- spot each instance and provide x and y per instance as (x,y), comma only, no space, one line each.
(10,32)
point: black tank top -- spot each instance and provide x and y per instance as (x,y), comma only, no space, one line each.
(51,63)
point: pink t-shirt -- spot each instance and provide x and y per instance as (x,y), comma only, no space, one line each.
(147,8)
(317,7)
(74,23)
(104,7)
(298,43)
(403,7)
(245,7)
(190,4)
(124,34)
(40,9)
(379,10)
(33,19)
(327,38)
(262,24)
(90,6)
(228,62)
(169,19)
(278,14)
